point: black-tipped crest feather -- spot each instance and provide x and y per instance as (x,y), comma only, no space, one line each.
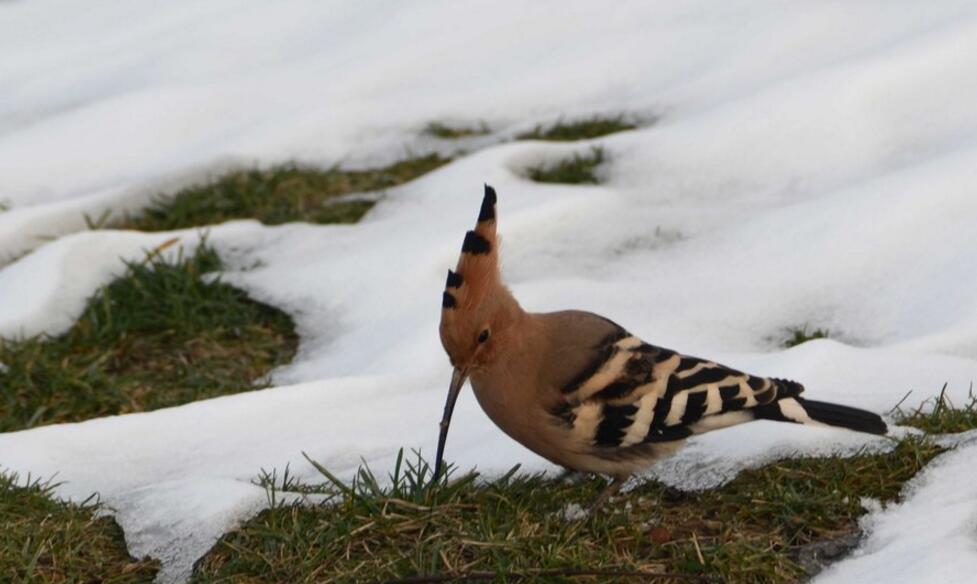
(487,212)
(475,243)
(447,300)
(455,280)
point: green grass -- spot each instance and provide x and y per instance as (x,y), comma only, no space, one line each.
(278,195)
(578,169)
(750,530)
(46,541)
(799,335)
(453,132)
(939,415)
(584,129)
(164,334)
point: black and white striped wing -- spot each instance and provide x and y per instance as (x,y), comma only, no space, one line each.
(635,393)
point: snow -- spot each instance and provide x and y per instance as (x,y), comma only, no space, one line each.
(813,163)
(928,539)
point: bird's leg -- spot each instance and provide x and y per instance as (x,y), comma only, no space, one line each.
(608,491)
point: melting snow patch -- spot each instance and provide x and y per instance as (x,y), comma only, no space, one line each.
(574,512)
(930,537)
(210,508)
(713,459)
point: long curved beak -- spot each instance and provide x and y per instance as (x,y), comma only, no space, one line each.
(458,379)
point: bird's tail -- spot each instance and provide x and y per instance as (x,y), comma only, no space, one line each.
(803,411)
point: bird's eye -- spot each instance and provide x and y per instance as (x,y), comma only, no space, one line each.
(483,336)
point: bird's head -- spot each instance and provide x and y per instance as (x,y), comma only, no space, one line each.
(476,308)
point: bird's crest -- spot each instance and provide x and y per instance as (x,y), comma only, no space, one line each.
(477,272)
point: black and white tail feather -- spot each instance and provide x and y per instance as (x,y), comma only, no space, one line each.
(806,411)
(634,394)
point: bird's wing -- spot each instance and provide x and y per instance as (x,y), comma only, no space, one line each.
(632,393)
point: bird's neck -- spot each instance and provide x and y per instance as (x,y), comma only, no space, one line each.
(509,316)
(517,334)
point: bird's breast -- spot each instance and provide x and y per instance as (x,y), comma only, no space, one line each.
(525,419)
(502,405)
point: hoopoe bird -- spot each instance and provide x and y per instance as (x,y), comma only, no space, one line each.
(583,392)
